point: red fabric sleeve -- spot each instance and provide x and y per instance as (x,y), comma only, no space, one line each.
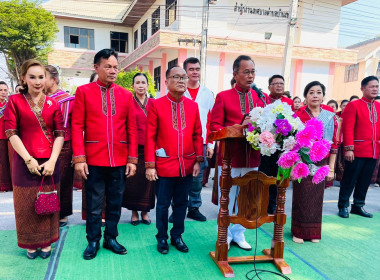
(217,114)
(151,137)
(59,127)
(132,132)
(208,128)
(336,137)
(11,119)
(348,126)
(77,127)
(197,138)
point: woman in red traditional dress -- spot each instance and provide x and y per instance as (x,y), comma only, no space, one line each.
(66,170)
(139,192)
(308,197)
(5,173)
(34,126)
(339,164)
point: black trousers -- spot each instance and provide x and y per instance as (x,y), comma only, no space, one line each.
(268,165)
(168,189)
(357,174)
(109,182)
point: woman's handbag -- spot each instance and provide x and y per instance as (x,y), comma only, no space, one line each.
(47,202)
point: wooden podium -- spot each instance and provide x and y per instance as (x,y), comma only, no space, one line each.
(250,214)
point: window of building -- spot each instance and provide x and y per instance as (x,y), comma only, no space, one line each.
(170,12)
(157,77)
(119,41)
(156,21)
(351,73)
(172,63)
(75,37)
(135,40)
(144,31)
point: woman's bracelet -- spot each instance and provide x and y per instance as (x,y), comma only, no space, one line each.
(332,170)
(28,160)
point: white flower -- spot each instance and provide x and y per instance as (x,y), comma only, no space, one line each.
(49,103)
(289,143)
(313,169)
(255,114)
(268,151)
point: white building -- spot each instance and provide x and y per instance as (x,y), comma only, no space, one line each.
(153,35)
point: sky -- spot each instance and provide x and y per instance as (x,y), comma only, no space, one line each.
(360,21)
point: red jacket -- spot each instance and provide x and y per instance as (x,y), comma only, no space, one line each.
(36,132)
(107,118)
(2,129)
(361,128)
(175,127)
(283,99)
(229,109)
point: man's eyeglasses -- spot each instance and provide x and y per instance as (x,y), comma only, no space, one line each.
(277,84)
(247,72)
(178,78)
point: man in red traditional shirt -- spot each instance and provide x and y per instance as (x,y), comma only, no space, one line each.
(173,151)
(268,164)
(361,137)
(231,107)
(104,114)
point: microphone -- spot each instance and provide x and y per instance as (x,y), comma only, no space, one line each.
(259,93)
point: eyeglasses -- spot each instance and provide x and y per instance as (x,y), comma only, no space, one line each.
(277,84)
(178,78)
(247,72)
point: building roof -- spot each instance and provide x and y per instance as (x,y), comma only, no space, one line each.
(366,48)
(124,12)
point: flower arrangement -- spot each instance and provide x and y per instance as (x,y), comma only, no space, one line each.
(277,128)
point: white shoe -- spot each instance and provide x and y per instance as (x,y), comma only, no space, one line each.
(315,240)
(298,240)
(229,244)
(243,245)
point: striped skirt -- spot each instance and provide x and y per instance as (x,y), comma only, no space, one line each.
(33,230)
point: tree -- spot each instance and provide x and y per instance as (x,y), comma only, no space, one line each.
(26,31)
(124,79)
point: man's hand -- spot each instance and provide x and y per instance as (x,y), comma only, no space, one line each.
(130,170)
(246,120)
(82,169)
(209,152)
(151,174)
(349,156)
(196,169)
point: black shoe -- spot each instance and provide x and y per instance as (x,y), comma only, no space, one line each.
(146,222)
(45,255)
(343,212)
(135,223)
(114,246)
(194,214)
(171,218)
(359,210)
(162,246)
(91,250)
(32,256)
(179,244)
(62,224)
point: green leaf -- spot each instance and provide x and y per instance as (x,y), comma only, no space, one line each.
(280,116)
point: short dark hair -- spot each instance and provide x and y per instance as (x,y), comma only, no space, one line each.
(191,60)
(332,101)
(140,74)
(92,77)
(104,53)
(275,77)
(4,83)
(354,97)
(343,101)
(377,97)
(366,80)
(296,97)
(236,65)
(167,73)
(232,82)
(312,84)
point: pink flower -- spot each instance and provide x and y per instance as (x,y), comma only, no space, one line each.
(300,171)
(317,125)
(319,150)
(288,159)
(305,136)
(267,139)
(321,174)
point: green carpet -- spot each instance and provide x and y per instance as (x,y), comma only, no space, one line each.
(348,250)
(14,264)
